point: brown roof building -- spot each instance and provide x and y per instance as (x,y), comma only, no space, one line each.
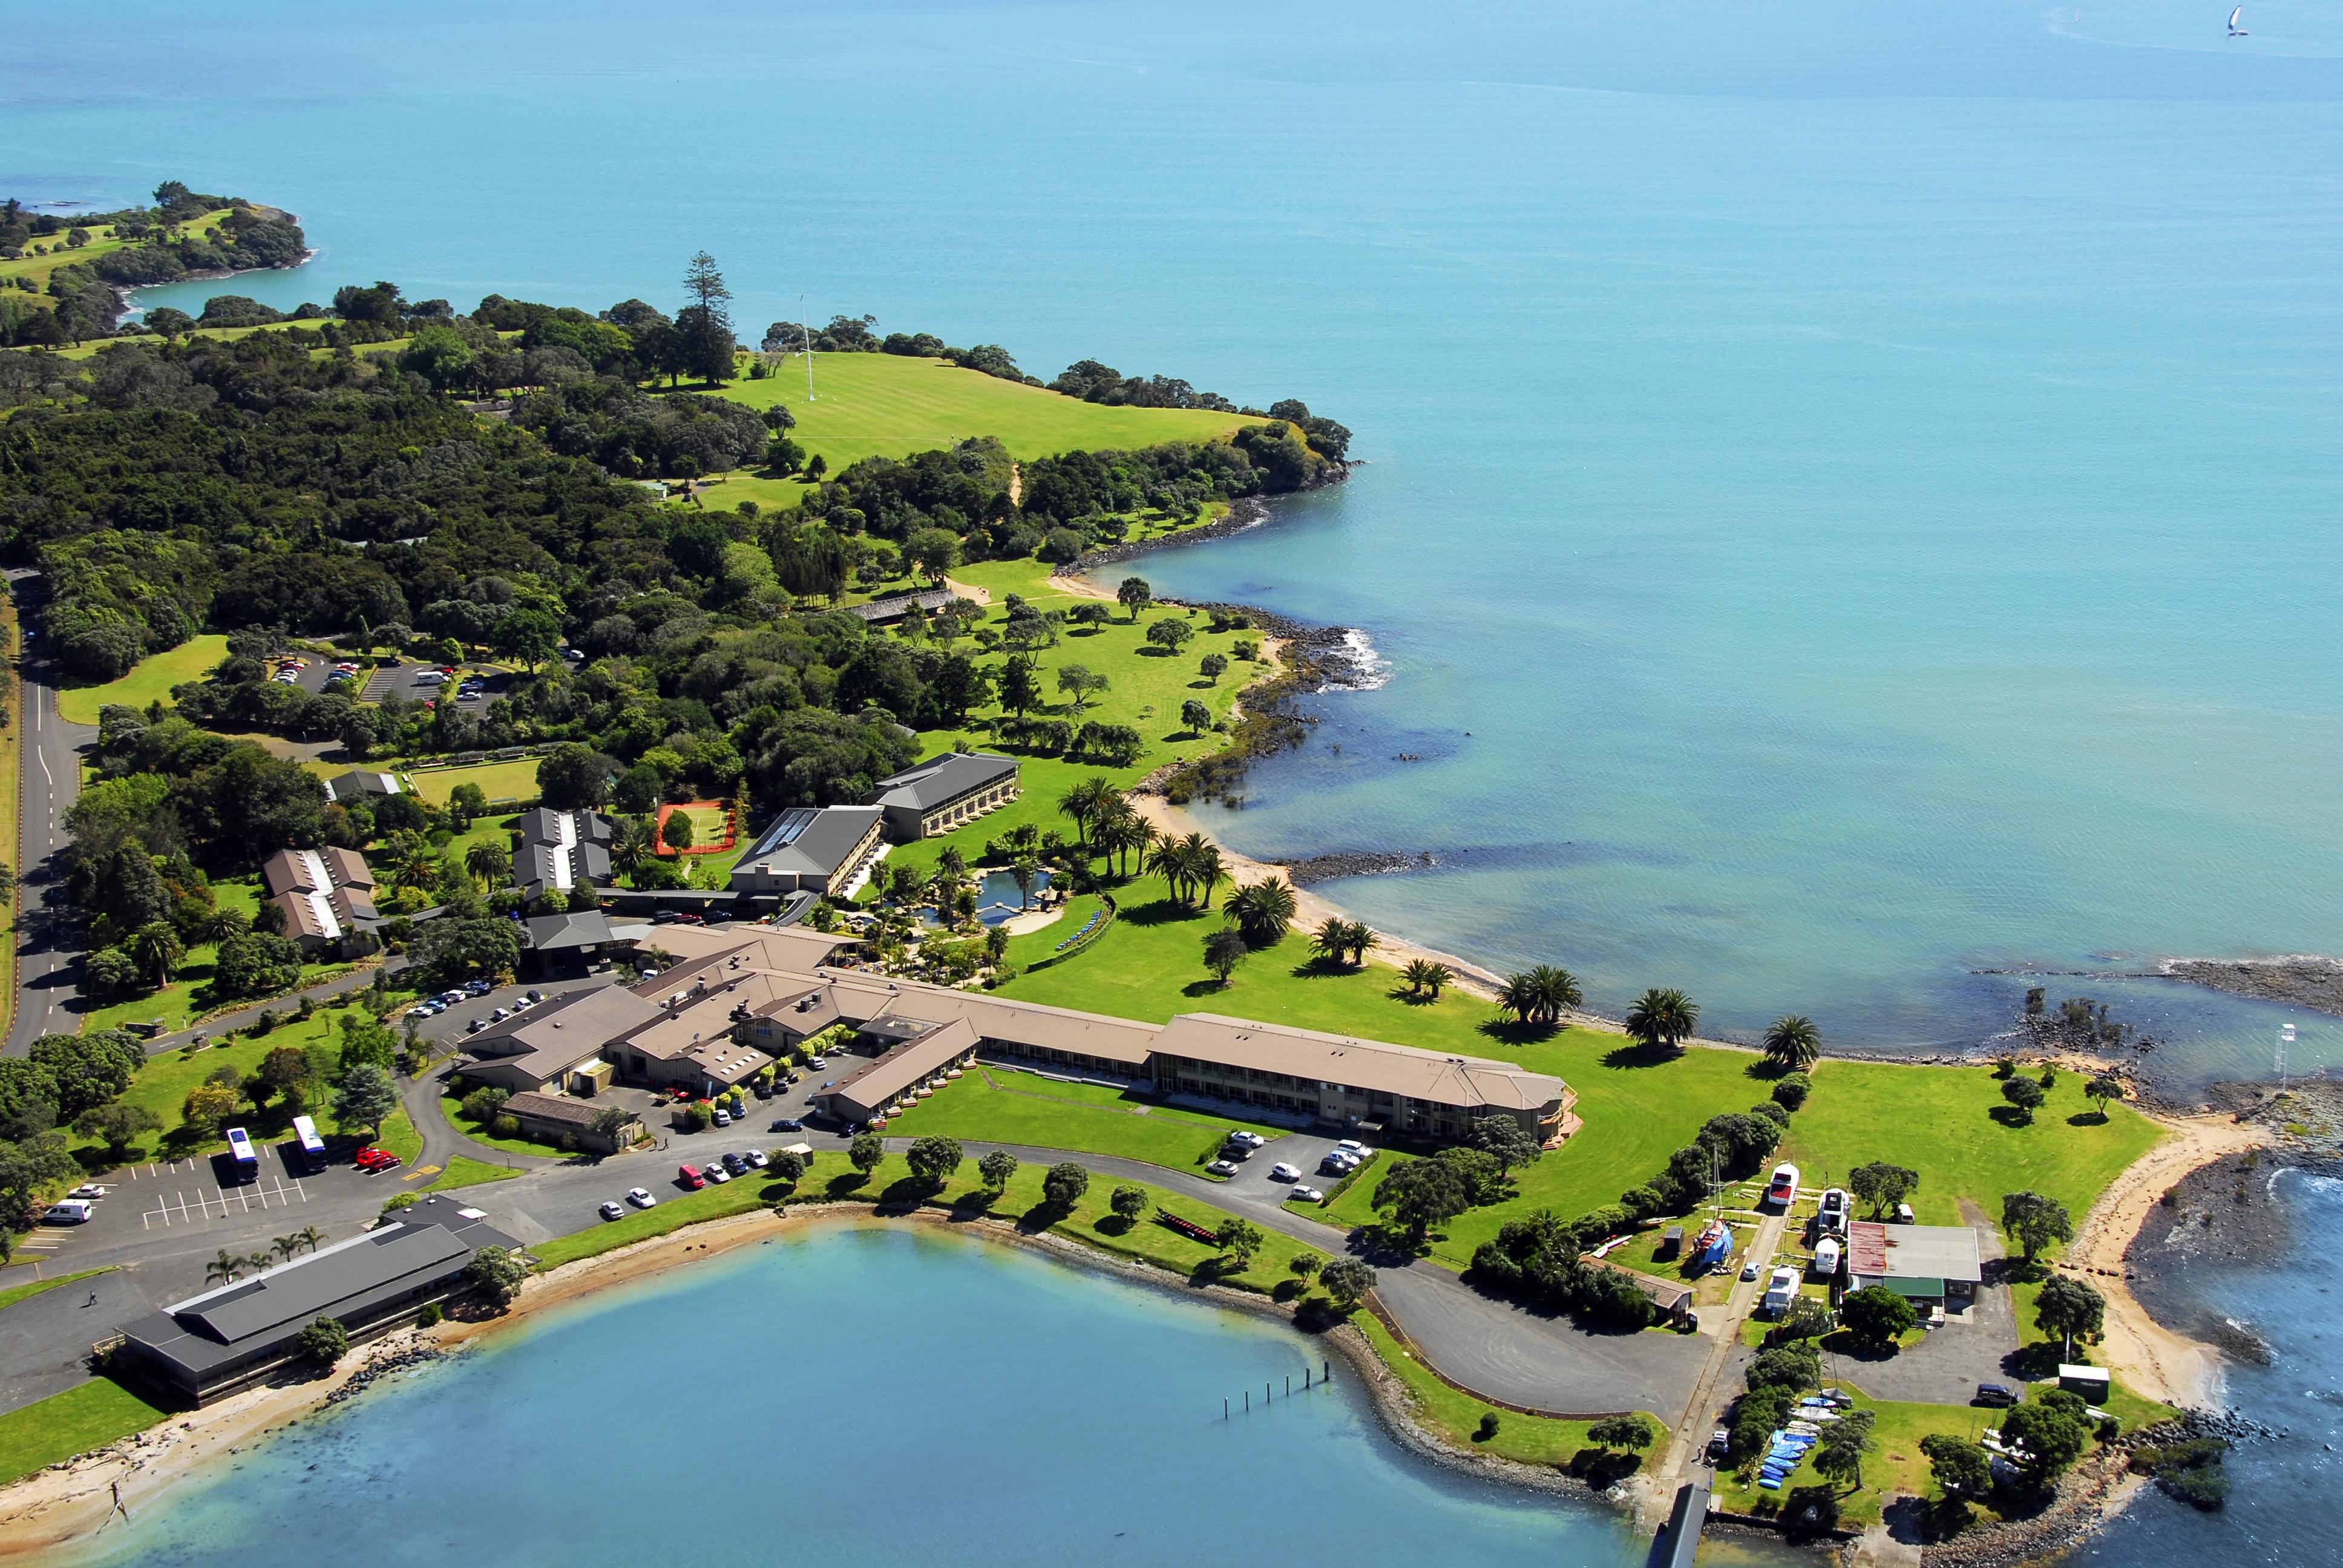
(326,897)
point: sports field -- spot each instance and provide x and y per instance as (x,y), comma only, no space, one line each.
(150,681)
(889,404)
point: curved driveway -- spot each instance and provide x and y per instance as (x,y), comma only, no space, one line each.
(50,781)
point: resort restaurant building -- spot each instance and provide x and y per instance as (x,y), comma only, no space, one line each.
(239,1334)
(943,793)
(1350,1081)
(911,1052)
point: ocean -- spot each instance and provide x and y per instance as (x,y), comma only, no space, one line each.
(1848,491)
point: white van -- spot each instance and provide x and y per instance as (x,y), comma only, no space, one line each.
(1780,1290)
(68,1211)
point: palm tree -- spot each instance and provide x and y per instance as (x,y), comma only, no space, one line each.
(286,1246)
(1261,910)
(226,1268)
(311,1236)
(1084,802)
(1138,837)
(1171,860)
(222,924)
(489,863)
(1519,996)
(418,868)
(1556,990)
(1332,939)
(260,1262)
(1793,1043)
(630,846)
(1024,871)
(1358,938)
(158,951)
(1664,1018)
(1206,867)
(1425,978)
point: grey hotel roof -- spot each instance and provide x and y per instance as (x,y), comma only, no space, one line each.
(427,1242)
(940,781)
(809,840)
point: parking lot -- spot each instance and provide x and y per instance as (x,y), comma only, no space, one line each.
(413,683)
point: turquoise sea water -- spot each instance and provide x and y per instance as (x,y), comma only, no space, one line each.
(861,1396)
(1851,491)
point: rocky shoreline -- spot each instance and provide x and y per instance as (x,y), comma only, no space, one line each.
(2316,983)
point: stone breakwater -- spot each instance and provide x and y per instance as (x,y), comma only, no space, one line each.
(1352,863)
(378,1367)
(2316,983)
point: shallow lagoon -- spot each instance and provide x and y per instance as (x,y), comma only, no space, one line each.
(862,1395)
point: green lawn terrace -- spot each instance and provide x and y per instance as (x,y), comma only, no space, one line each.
(1638,1105)
(891,405)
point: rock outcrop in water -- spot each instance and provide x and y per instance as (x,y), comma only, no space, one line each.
(2316,983)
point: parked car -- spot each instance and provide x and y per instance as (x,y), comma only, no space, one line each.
(717,1173)
(1249,1140)
(501,1014)
(1281,1172)
(1222,1168)
(71,1211)
(373,1161)
(1355,1147)
(479,987)
(1749,1270)
(610,1210)
(688,1176)
(533,997)
(640,1197)
(1720,1444)
(789,1124)
(1305,1194)
(735,1164)
(1999,1395)
(1335,1165)
(757,1159)
(1783,1188)
(90,1190)
(723,1116)
(1235,1151)
(477,1025)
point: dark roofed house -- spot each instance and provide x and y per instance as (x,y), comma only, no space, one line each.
(820,850)
(559,850)
(888,611)
(575,943)
(326,897)
(237,1334)
(359,784)
(943,793)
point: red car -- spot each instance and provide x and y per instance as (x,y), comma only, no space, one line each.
(373,1160)
(689,1177)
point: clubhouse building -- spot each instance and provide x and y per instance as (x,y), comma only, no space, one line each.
(812,849)
(242,1332)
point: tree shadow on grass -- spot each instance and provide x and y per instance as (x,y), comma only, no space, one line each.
(2087,1118)
(1319,966)
(1160,912)
(2010,1116)
(1600,1468)
(1513,1031)
(846,1184)
(905,1194)
(1642,1055)
(1112,1225)
(1407,997)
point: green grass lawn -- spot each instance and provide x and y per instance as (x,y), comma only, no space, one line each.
(891,405)
(55,254)
(512,782)
(1034,946)
(151,681)
(465,1171)
(1007,1107)
(1941,1121)
(92,1416)
(1637,1109)
(1457,1416)
(14,1293)
(1091,1222)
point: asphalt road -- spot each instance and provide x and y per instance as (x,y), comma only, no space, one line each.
(47,927)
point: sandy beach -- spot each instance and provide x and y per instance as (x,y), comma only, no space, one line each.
(2150,1358)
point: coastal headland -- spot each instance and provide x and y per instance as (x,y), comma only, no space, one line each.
(737,620)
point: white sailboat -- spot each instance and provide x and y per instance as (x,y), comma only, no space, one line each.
(2236,31)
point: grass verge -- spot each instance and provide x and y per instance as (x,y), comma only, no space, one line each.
(1524,1439)
(99,1412)
(14,1293)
